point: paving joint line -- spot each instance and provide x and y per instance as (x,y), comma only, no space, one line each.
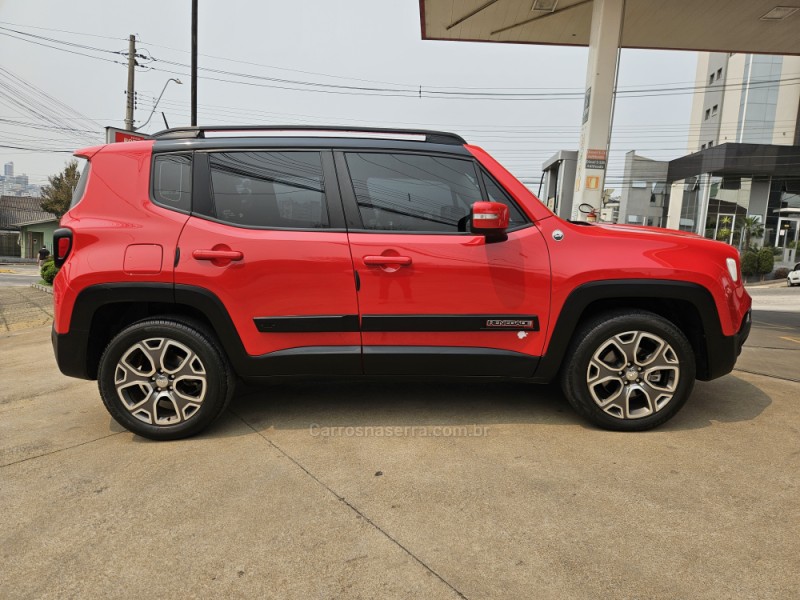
(352,507)
(22,460)
(770,348)
(767,375)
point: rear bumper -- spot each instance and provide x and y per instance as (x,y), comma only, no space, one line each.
(70,351)
(723,350)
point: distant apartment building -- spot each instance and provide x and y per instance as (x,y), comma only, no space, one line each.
(20,185)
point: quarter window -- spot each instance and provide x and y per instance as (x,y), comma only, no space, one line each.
(412,192)
(172,181)
(269,189)
(80,189)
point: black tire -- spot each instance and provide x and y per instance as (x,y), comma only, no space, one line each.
(174,382)
(602,389)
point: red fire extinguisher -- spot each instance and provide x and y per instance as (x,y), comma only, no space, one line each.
(589,211)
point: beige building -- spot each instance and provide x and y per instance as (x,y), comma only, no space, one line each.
(744,152)
(745,99)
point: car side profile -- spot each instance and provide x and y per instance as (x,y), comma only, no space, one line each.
(793,278)
(207,255)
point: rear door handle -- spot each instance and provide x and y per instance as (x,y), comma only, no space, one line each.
(399,261)
(217,255)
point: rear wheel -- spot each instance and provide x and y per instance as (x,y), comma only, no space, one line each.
(628,371)
(164,379)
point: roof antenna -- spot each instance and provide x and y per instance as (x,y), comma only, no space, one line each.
(163,116)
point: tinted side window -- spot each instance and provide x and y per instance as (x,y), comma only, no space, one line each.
(516,217)
(172,181)
(269,189)
(411,192)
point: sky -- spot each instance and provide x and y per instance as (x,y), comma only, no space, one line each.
(309,62)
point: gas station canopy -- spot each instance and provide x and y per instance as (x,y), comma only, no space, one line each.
(751,26)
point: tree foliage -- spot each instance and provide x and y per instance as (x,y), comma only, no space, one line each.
(56,196)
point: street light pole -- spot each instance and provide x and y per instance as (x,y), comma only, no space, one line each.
(194,64)
(164,89)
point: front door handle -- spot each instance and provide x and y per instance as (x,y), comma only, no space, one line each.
(398,261)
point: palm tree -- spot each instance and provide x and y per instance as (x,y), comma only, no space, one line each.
(752,228)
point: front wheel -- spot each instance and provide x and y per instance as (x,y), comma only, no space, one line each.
(628,371)
(164,379)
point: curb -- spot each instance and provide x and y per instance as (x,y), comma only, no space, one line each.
(770,282)
(44,288)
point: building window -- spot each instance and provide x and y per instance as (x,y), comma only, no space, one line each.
(719,73)
(714,110)
(703,147)
(711,79)
(710,143)
(708,113)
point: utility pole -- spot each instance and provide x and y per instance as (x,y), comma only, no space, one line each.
(131,65)
(194,63)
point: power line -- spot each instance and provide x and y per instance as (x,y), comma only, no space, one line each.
(398,90)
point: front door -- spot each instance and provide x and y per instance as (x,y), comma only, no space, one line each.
(435,299)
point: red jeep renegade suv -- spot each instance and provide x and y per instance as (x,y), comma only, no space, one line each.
(208,254)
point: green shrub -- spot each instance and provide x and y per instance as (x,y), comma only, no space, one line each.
(48,271)
(781,273)
(766,261)
(749,263)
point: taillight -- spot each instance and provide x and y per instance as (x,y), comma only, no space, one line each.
(62,242)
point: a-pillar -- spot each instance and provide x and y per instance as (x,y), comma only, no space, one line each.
(607,17)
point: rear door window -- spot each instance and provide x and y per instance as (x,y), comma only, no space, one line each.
(283,190)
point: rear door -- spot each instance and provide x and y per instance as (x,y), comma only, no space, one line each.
(435,299)
(267,238)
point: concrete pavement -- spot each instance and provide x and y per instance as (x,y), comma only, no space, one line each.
(401,490)
(18,274)
(24,307)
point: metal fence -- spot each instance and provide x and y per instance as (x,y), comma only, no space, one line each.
(9,243)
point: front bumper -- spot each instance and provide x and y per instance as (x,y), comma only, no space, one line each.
(723,350)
